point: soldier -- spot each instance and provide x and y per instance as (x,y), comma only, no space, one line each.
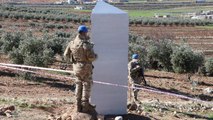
(80,52)
(136,75)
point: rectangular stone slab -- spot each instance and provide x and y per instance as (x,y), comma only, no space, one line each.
(110,36)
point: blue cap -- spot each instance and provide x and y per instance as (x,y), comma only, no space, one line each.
(82,28)
(135,56)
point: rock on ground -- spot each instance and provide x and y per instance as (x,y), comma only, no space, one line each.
(82,116)
(7,111)
(208,90)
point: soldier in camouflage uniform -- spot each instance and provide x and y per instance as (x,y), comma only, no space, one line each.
(136,75)
(80,52)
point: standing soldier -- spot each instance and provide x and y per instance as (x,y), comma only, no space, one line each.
(136,75)
(80,52)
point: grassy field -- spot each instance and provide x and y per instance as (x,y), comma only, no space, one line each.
(172,12)
(205,27)
(150,13)
(141,1)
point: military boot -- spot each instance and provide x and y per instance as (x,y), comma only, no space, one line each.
(135,99)
(87,107)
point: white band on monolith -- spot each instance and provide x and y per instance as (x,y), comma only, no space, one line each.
(110,36)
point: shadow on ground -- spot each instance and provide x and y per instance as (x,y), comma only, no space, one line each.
(2,73)
(159,77)
(196,116)
(49,81)
(56,83)
(127,117)
(175,91)
(205,84)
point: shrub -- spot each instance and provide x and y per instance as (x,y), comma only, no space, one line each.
(26,76)
(161,52)
(184,60)
(28,16)
(59,26)
(37,17)
(32,51)
(209,66)
(151,22)
(68,19)
(57,45)
(136,46)
(16,56)
(43,17)
(59,42)
(10,41)
(50,26)
(58,19)
(42,59)
(145,22)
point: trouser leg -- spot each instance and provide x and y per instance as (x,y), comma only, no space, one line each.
(86,96)
(86,91)
(131,90)
(78,94)
(135,94)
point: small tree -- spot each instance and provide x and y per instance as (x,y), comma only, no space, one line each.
(184,60)
(161,52)
(32,51)
(10,40)
(136,46)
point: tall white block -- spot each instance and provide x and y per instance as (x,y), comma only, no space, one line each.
(110,35)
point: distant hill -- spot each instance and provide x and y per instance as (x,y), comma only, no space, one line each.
(31,1)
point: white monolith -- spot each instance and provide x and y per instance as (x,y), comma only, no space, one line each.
(110,36)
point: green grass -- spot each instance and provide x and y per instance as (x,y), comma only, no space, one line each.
(89,11)
(140,1)
(210,116)
(205,27)
(150,13)
(173,12)
(23,103)
(143,13)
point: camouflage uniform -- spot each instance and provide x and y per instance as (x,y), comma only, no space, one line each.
(80,52)
(135,73)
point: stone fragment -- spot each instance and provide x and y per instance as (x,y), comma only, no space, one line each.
(81,116)
(8,113)
(119,118)
(208,90)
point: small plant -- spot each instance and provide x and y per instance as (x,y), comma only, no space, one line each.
(209,66)
(210,116)
(26,76)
